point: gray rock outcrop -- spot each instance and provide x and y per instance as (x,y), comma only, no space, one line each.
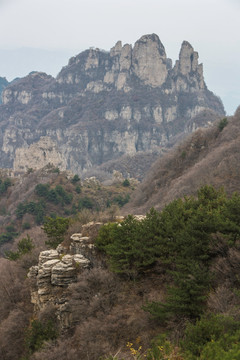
(104,105)
(59,268)
(149,60)
(54,271)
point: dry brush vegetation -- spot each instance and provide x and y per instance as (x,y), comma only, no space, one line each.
(110,321)
(209,156)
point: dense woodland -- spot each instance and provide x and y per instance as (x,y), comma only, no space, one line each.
(165,287)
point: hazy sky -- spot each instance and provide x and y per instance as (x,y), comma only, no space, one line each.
(42,34)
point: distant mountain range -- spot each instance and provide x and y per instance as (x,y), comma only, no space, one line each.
(106,106)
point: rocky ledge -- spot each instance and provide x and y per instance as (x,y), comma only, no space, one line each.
(59,268)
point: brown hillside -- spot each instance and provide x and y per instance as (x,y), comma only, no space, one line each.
(209,156)
(23,208)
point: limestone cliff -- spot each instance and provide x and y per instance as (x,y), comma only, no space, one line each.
(59,268)
(104,105)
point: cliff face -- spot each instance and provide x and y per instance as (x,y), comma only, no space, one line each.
(3,83)
(103,105)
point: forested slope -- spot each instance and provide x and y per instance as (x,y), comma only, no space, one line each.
(209,156)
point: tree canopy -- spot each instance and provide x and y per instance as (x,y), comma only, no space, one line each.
(180,239)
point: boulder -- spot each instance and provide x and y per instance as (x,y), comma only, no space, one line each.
(47,255)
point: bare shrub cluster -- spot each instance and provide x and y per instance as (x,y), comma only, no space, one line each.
(12,334)
(106,313)
(95,292)
(57,350)
(15,309)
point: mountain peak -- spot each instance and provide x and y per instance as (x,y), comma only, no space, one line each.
(104,105)
(188,60)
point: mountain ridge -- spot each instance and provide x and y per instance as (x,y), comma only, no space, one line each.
(206,157)
(104,105)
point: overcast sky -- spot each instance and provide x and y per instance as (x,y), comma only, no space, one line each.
(42,34)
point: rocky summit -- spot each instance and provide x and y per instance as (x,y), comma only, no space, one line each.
(104,105)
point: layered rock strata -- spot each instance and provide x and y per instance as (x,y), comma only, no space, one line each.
(55,272)
(57,269)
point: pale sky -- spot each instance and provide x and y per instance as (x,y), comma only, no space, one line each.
(41,35)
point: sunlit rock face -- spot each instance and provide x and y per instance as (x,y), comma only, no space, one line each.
(54,271)
(150,61)
(104,105)
(41,152)
(57,269)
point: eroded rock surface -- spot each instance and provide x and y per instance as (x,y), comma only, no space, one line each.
(55,272)
(104,105)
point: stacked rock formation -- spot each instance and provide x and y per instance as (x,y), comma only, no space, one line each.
(53,274)
(59,268)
